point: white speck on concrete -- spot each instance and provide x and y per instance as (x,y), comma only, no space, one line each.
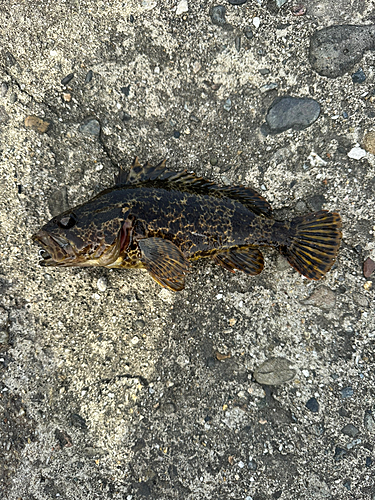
(182,7)
(357,153)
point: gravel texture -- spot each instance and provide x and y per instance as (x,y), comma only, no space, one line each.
(255,388)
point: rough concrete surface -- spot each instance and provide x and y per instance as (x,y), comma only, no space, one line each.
(114,388)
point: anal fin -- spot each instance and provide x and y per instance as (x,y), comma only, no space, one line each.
(165,262)
(248,260)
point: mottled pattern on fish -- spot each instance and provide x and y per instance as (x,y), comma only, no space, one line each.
(161,220)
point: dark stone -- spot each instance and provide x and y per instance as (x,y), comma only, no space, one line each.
(368,461)
(358,76)
(344,413)
(347,392)
(277,494)
(78,421)
(67,79)
(339,453)
(316,202)
(347,484)
(252,465)
(89,76)
(10,59)
(237,2)
(237,43)
(292,112)
(125,90)
(368,421)
(124,116)
(4,118)
(91,126)
(211,361)
(176,134)
(350,430)
(139,323)
(218,15)
(143,489)
(312,405)
(13,98)
(248,33)
(336,49)
(264,71)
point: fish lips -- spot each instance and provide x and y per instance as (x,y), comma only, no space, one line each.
(55,249)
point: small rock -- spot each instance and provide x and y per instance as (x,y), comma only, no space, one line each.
(125,90)
(37,124)
(368,267)
(315,160)
(218,15)
(227,105)
(10,60)
(248,32)
(4,89)
(252,465)
(339,453)
(67,96)
(322,297)
(182,7)
(350,430)
(91,126)
(368,285)
(280,3)
(67,79)
(274,371)
(148,4)
(368,462)
(292,112)
(237,43)
(140,323)
(312,405)
(347,392)
(13,98)
(237,2)
(264,71)
(336,49)
(298,10)
(4,117)
(369,422)
(268,86)
(124,116)
(89,76)
(316,202)
(347,484)
(101,284)
(256,22)
(357,153)
(358,76)
(369,142)
(176,134)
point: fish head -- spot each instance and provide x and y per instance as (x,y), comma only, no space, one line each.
(82,237)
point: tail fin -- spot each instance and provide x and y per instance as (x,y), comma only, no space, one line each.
(315,242)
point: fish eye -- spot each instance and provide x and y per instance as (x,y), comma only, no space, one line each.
(67,221)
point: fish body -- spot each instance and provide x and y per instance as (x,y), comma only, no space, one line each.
(161,220)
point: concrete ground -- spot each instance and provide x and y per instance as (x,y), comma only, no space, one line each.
(114,388)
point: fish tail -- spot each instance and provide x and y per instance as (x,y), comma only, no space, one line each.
(314,244)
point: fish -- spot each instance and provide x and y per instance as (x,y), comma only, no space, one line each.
(162,220)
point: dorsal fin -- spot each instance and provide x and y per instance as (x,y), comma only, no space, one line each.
(159,176)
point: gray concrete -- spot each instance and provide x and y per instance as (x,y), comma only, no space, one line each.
(116,388)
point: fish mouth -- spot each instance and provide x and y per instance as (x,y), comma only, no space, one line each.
(55,251)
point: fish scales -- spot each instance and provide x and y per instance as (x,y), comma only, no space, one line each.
(162,220)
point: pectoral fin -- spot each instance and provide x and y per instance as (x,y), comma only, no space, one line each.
(165,262)
(248,260)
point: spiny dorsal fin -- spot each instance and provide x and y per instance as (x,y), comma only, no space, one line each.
(159,176)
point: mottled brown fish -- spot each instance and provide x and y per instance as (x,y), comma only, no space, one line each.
(161,220)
